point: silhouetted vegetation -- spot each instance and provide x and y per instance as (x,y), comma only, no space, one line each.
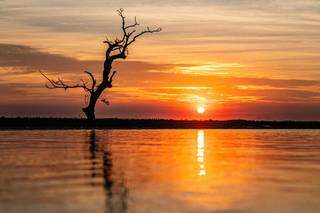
(116,49)
(113,123)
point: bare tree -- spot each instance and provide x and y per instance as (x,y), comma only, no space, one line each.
(115,49)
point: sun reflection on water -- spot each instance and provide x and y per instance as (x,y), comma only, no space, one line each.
(140,170)
(200,153)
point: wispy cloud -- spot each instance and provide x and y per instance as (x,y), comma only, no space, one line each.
(241,52)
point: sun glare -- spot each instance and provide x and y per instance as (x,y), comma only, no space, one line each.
(201,109)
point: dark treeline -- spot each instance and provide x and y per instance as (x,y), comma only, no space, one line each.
(114,123)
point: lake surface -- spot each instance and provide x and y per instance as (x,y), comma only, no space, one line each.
(160,171)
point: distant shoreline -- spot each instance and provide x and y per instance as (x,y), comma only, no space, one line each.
(115,123)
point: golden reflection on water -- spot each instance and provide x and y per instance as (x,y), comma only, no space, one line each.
(160,171)
(200,154)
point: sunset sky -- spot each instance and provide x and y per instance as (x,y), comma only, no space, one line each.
(241,59)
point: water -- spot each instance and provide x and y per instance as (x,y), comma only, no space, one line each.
(160,171)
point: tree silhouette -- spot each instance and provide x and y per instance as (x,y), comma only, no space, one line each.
(115,49)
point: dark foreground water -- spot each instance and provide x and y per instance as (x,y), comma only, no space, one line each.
(160,171)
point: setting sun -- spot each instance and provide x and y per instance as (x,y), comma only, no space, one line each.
(201,109)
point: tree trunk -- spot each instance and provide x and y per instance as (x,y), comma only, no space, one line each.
(89,111)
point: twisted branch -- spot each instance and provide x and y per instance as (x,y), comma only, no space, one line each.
(118,48)
(56,84)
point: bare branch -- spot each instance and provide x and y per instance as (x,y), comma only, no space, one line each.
(105,101)
(144,32)
(111,77)
(118,48)
(132,25)
(94,81)
(107,41)
(56,84)
(120,12)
